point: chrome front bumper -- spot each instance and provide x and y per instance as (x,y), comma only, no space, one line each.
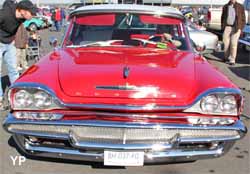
(87,140)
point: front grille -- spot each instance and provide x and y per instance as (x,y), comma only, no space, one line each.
(119,135)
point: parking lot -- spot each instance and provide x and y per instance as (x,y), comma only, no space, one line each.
(236,161)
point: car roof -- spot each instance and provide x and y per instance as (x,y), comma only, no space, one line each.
(133,8)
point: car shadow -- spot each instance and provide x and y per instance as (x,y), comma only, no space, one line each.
(243,57)
(5,82)
(215,56)
(243,72)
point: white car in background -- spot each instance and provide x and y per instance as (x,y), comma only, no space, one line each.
(200,36)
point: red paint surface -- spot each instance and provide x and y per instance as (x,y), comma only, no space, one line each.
(74,74)
(97,19)
(149,19)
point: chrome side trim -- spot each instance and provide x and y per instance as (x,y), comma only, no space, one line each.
(127,88)
(148,107)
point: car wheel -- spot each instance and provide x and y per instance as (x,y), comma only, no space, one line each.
(33,27)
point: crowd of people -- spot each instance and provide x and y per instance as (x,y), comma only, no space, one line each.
(58,17)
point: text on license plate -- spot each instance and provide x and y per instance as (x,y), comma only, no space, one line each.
(122,158)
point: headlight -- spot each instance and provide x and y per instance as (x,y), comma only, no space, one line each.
(218,104)
(32,99)
(209,103)
(23,99)
(42,99)
(228,103)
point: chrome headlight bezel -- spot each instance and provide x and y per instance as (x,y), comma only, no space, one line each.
(219,101)
(209,103)
(39,99)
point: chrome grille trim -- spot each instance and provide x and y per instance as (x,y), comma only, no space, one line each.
(62,130)
(109,135)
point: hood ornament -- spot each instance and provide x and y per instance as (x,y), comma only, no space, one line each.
(125,72)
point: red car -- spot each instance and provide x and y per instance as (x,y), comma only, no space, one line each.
(125,88)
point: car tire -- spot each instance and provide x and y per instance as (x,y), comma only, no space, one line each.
(33,27)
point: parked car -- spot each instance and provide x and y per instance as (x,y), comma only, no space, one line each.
(199,35)
(38,22)
(245,39)
(113,94)
(197,31)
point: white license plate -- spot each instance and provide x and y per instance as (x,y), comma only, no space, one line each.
(123,158)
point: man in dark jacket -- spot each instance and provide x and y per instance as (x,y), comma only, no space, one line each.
(233,21)
(11,17)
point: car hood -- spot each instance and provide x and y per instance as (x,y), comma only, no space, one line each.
(127,73)
(196,36)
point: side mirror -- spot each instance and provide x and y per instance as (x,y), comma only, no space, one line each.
(200,47)
(53,42)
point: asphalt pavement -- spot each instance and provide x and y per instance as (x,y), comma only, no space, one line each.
(237,161)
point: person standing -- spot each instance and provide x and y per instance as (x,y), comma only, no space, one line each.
(21,42)
(232,21)
(63,16)
(12,15)
(53,18)
(58,19)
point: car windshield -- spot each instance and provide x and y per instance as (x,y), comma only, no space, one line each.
(127,30)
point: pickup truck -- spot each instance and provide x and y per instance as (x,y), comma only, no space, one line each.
(214,18)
